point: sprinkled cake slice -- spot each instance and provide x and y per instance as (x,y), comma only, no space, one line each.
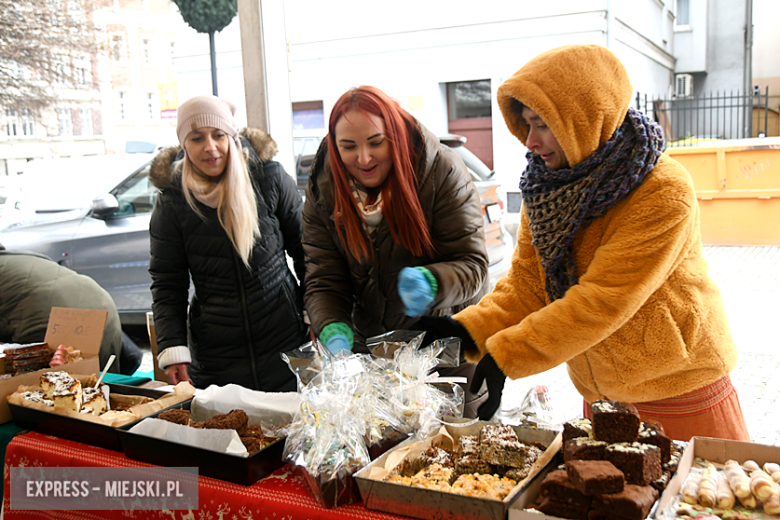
(498,445)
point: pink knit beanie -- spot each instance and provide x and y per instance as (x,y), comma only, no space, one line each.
(203,111)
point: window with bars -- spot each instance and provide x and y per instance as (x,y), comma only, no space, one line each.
(147,51)
(150,102)
(122,106)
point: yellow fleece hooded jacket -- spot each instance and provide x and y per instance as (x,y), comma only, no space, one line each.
(645,321)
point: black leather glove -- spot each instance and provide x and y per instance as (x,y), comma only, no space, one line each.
(487,370)
(438,327)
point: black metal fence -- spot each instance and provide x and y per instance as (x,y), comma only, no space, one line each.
(690,120)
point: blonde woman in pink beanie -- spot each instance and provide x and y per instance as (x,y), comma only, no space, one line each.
(225,218)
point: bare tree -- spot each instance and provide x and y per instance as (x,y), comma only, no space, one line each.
(47,51)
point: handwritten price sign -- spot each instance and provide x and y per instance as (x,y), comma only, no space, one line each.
(78,328)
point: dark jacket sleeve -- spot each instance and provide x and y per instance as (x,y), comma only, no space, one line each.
(288,211)
(170,274)
(329,295)
(457,231)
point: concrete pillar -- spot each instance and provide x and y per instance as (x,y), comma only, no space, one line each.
(264,50)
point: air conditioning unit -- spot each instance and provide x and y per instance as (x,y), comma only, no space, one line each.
(683,85)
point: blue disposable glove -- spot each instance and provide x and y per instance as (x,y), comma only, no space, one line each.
(337,336)
(417,287)
(337,343)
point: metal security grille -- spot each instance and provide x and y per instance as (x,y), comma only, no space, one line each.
(720,115)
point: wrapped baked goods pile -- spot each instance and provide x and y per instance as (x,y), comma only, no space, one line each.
(356,406)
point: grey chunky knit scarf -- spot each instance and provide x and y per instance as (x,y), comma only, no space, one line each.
(561,202)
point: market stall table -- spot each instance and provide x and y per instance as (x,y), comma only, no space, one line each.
(280,495)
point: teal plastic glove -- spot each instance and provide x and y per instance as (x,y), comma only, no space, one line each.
(337,343)
(417,287)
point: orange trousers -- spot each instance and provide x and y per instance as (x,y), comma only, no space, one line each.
(710,411)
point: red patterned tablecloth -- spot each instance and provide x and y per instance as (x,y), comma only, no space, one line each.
(279,496)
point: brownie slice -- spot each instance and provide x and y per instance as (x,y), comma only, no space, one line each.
(660,483)
(595,477)
(614,421)
(651,432)
(583,448)
(633,503)
(674,461)
(235,420)
(176,416)
(641,463)
(577,428)
(557,486)
(562,510)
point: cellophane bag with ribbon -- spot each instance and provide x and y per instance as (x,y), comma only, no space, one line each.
(359,405)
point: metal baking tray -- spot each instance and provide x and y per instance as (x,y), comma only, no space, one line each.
(239,470)
(427,503)
(86,432)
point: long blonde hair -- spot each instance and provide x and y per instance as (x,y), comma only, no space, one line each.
(237,206)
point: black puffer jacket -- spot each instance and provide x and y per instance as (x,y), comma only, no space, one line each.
(240,319)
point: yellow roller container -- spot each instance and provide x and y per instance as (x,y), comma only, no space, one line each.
(738,187)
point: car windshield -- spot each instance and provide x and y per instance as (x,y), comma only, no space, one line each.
(73,183)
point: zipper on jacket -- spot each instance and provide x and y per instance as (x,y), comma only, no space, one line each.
(245,315)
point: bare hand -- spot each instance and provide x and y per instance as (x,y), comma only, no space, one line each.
(177,373)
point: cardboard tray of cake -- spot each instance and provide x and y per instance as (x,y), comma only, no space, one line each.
(69,406)
(80,330)
(614,467)
(242,457)
(472,470)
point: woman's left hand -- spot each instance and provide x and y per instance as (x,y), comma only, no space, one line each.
(415,291)
(487,370)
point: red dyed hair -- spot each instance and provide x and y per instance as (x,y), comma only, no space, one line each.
(401,206)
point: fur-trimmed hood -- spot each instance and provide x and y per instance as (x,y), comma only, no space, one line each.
(161,171)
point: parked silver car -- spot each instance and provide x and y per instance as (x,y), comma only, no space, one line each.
(91,214)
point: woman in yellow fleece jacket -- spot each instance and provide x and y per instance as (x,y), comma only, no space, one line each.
(608,274)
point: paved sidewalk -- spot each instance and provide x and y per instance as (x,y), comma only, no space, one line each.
(749,280)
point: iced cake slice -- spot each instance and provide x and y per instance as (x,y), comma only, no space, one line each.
(57,382)
(37,397)
(94,399)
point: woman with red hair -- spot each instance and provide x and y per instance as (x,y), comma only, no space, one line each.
(392,227)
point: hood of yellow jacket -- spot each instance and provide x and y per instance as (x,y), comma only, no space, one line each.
(582,92)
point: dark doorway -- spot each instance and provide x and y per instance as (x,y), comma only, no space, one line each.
(470,115)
